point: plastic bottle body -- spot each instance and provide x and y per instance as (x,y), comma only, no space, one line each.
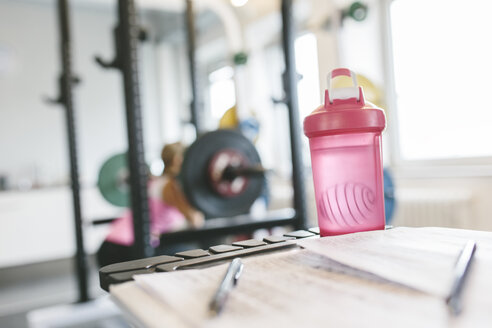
(348,182)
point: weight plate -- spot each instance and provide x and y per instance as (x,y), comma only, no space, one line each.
(113,180)
(389,196)
(195,175)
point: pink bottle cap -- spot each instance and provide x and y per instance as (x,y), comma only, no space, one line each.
(344,111)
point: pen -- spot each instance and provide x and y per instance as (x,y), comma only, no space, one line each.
(225,287)
(461,270)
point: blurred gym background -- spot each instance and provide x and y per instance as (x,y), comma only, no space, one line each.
(435,154)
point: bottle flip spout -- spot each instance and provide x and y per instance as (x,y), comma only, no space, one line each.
(333,94)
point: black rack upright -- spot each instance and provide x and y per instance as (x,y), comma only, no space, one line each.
(196,100)
(66,82)
(127,35)
(290,90)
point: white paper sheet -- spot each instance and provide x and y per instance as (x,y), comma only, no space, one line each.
(419,258)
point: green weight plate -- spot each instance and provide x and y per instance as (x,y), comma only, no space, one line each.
(113,180)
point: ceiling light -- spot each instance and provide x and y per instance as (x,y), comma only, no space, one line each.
(238,3)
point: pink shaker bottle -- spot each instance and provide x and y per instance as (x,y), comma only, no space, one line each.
(345,141)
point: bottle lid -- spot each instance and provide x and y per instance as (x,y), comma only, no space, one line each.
(344,111)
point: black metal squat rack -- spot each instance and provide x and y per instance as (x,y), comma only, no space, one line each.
(66,81)
(127,35)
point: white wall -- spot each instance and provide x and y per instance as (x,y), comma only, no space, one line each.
(32,133)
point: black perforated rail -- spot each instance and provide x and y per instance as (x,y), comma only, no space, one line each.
(121,272)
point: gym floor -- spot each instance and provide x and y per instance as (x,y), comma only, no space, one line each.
(30,296)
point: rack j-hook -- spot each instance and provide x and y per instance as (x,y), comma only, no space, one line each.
(116,62)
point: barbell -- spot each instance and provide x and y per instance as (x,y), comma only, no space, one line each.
(221,175)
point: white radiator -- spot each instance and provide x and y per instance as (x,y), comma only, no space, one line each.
(434,207)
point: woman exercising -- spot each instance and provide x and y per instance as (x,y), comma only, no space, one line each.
(169,211)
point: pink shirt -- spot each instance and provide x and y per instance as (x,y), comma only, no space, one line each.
(163,218)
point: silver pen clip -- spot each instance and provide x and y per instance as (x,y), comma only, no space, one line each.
(461,270)
(228,282)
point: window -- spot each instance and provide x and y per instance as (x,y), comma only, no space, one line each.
(306,50)
(222,91)
(442,72)
(308,89)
